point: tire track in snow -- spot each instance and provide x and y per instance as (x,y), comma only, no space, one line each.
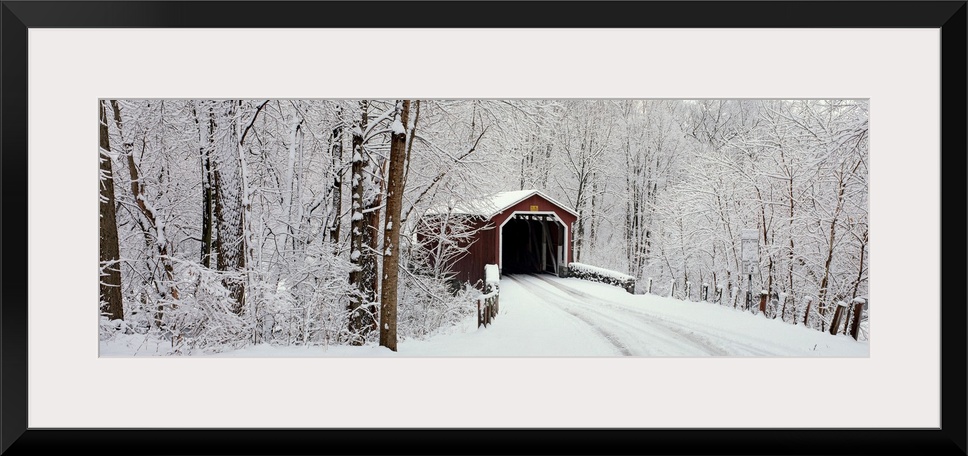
(609,337)
(648,339)
(708,339)
(649,324)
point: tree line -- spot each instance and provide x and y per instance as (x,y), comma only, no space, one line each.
(672,184)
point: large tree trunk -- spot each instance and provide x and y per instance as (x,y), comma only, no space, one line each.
(391,262)
(229,209)
(362,259)
(206,133)
(373,209)
(110,275)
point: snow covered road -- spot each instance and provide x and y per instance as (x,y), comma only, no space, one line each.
(631,331)
(648,325)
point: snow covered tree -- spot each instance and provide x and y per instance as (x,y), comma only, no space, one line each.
(336,201)
(110,268)
(203,112)
(229,203)
(400,127)
(152,225)
(364,193)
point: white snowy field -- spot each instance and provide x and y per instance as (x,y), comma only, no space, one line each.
(546,316)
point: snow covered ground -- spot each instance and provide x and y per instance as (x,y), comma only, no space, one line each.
(546,316)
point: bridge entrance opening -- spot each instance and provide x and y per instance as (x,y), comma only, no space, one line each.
(532,243)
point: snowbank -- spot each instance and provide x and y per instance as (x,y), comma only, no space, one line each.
(597,274)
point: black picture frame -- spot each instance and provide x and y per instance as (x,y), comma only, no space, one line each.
(17,17)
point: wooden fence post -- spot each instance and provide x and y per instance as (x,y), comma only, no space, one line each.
(838,314)
(858,315)
(490,310)
(719,294)
(688,290)
(650,286)
(705,292)
(480,321)
(763,295)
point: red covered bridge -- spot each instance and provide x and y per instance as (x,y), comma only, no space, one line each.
(522,231)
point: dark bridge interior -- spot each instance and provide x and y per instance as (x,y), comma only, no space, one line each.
(531,244)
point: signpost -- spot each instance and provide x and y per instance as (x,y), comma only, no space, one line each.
(750,256)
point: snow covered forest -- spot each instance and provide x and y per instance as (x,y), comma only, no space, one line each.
(228,223)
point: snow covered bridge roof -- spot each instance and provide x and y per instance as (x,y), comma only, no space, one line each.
(490,206)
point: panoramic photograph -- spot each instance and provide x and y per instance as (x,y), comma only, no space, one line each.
(483,228)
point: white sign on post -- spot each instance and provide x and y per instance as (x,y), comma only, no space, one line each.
(750,252)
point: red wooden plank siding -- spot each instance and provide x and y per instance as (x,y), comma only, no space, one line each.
(470,268)
(486,245)
(543,206)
